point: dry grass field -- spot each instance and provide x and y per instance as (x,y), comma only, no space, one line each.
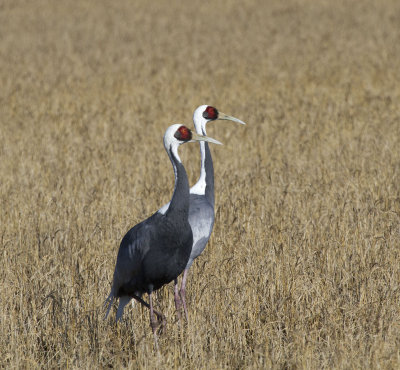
(302,269)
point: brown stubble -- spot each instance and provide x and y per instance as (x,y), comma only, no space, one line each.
(302,267)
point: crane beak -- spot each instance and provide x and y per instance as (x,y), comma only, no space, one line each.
(197,137)
(223,116)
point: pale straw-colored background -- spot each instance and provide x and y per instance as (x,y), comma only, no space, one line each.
(302,269)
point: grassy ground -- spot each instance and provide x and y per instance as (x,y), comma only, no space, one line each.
(302,269)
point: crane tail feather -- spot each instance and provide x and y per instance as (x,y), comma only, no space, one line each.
(123,301)
(109,301)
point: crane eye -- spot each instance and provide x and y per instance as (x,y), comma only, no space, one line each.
(183,134)
(210,113)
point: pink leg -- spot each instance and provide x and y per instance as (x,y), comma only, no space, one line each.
(183,293)
(178,302)
(161,318)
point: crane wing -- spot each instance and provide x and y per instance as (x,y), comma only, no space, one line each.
(133,248)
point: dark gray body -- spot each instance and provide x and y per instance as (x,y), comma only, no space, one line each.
(155,251)
(152,254)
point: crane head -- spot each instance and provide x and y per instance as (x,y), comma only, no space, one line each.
(179,134)
(206,113)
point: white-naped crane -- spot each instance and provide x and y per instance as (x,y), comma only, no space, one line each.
(156,251)
(201,207)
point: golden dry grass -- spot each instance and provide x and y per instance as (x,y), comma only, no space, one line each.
(302,270)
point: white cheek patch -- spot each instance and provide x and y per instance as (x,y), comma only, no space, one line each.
(198,120)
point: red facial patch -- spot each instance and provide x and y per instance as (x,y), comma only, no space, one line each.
(210,113)
(183,134)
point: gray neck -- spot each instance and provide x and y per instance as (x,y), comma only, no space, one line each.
(209,170)
(179,205)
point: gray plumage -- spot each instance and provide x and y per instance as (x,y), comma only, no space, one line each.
(201,207)
(155,251)
(201,211)
(201,220)
(151,254)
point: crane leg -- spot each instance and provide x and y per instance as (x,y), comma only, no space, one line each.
(161,320)
(178,301)
(153,323)
(182,293)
